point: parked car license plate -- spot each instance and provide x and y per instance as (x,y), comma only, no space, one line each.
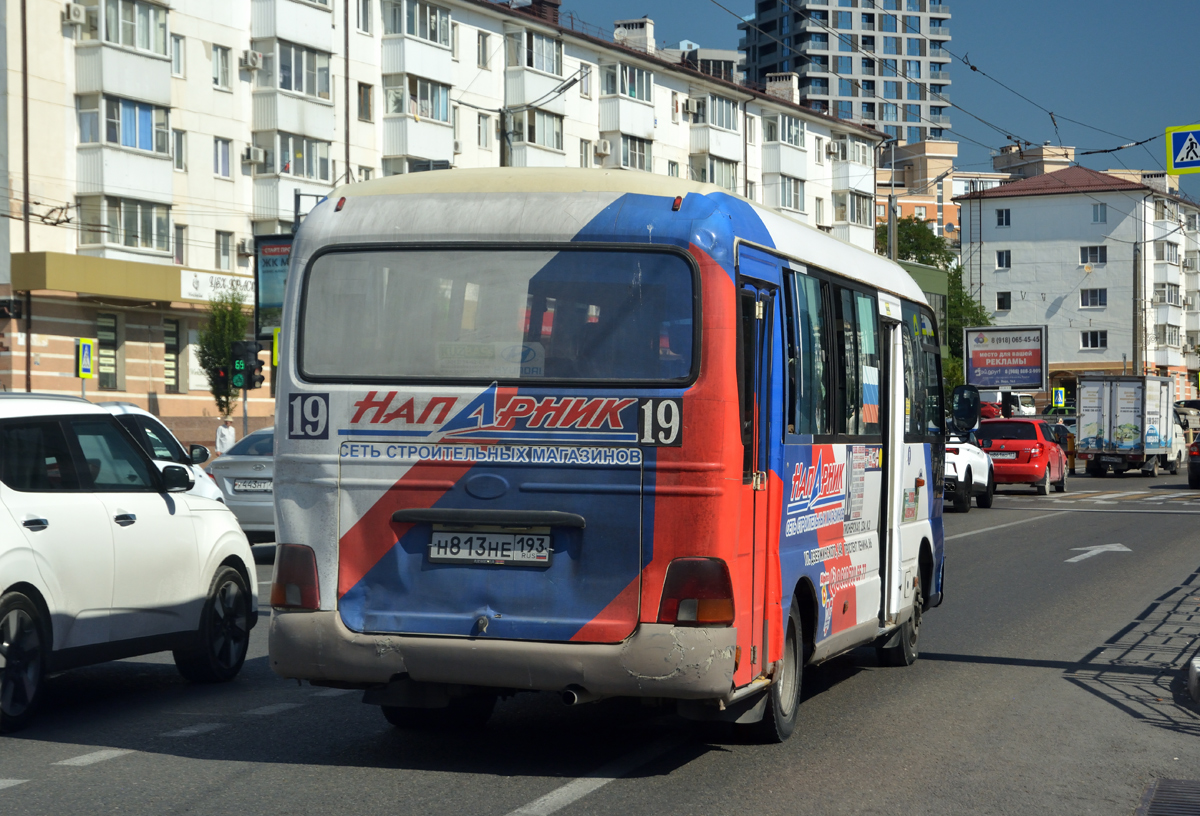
(1010,455)
(490,547)
(252,485)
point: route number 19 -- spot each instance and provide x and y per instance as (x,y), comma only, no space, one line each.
(660,422)
(308,416)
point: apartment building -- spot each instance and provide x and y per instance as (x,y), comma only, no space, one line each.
(880,62)
(1108,263)
(165,136)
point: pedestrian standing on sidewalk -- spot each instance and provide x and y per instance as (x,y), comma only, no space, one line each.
(225,436)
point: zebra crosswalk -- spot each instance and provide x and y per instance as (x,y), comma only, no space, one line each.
(1161,496)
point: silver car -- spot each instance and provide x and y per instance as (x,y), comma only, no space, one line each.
(245,477)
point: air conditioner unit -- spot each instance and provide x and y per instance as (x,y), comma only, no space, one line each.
(603,147)
(1188,348)
(74,14)
(1189,263)
(1159,297)
(253,155)
(245,246)
(251,60)
(458,146)
(691,106)
(833,149)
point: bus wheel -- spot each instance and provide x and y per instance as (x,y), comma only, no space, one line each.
(470,712)
(783,696)
(906,642)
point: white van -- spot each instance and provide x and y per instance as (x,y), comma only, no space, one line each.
(1024,399)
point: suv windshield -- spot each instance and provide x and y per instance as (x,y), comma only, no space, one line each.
(1007,430)
(498,314)
(256,444)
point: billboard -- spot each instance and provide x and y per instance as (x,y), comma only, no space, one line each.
(1009,357)
(271,255)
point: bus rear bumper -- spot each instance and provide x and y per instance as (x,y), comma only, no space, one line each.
(657,660)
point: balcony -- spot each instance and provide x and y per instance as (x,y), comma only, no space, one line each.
(102,68)
(1164,228)
(853,176)
(1168,313)
(402,55)
(714,141)
(629,116)
(938,76)
(854,234)
(784,159)
(938,53)
(939,8)
(524,86)
(939,30)
(940,120)
(944,98)
(810,24)
(275,196)
(1191,321)
(812,68)
(300,23)
(426,139)
(118,171)
(814,45)
(524,154)
(1192,360)
(278,110)
(813,89)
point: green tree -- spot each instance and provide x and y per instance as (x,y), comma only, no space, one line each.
(915,241)
(226,325)
(962,310)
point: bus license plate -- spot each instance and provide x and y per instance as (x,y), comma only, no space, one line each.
(252,485)
(502,549)
(1004,456)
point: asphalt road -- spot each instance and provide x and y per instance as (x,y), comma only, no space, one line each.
(1048,683)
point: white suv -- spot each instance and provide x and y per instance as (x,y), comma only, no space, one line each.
(105,556)
(162,446)
(968,472)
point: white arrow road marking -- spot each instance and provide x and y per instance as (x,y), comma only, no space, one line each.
(1090,551)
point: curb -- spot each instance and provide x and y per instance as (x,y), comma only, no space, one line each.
(1193,682)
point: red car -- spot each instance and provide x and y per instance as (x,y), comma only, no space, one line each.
(1024,451)
(989,410)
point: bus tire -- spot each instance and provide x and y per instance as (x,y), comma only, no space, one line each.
(907,643)
(470,713)
(224,634)
(783,695)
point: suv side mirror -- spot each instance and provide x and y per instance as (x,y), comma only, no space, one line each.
(964,407)
(199,454)
(177,479)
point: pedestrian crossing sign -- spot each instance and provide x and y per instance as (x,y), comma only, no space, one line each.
(1183,149)
(85,358)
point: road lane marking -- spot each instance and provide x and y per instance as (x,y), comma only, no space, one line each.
(1114,496)
(93,757)
(1088,552)
(573,791)
(267,711)
(1009,524)
(332,692)
(1163,512)
(1171,496)
(193,730)
(10,783)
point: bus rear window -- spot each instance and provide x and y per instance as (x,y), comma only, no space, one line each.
(498,314)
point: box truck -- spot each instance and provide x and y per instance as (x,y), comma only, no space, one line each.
(1125,423)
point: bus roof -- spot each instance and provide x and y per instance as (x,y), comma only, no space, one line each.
(454,201)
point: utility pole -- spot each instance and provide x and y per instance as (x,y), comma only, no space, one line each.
(25,191)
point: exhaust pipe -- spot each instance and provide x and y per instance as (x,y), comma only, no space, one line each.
(575,695)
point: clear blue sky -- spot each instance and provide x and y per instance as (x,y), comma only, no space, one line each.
(1128,69)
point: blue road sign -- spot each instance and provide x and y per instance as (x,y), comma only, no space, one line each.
(1183,149)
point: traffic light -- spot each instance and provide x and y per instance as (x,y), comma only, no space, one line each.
(220,381)
(245,365)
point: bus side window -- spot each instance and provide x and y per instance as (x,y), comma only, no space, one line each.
(808,370)
(868,360)
(935,417)
(747,376)
(914,384)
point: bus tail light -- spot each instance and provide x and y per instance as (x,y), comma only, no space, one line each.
(294,585)
(697,592)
